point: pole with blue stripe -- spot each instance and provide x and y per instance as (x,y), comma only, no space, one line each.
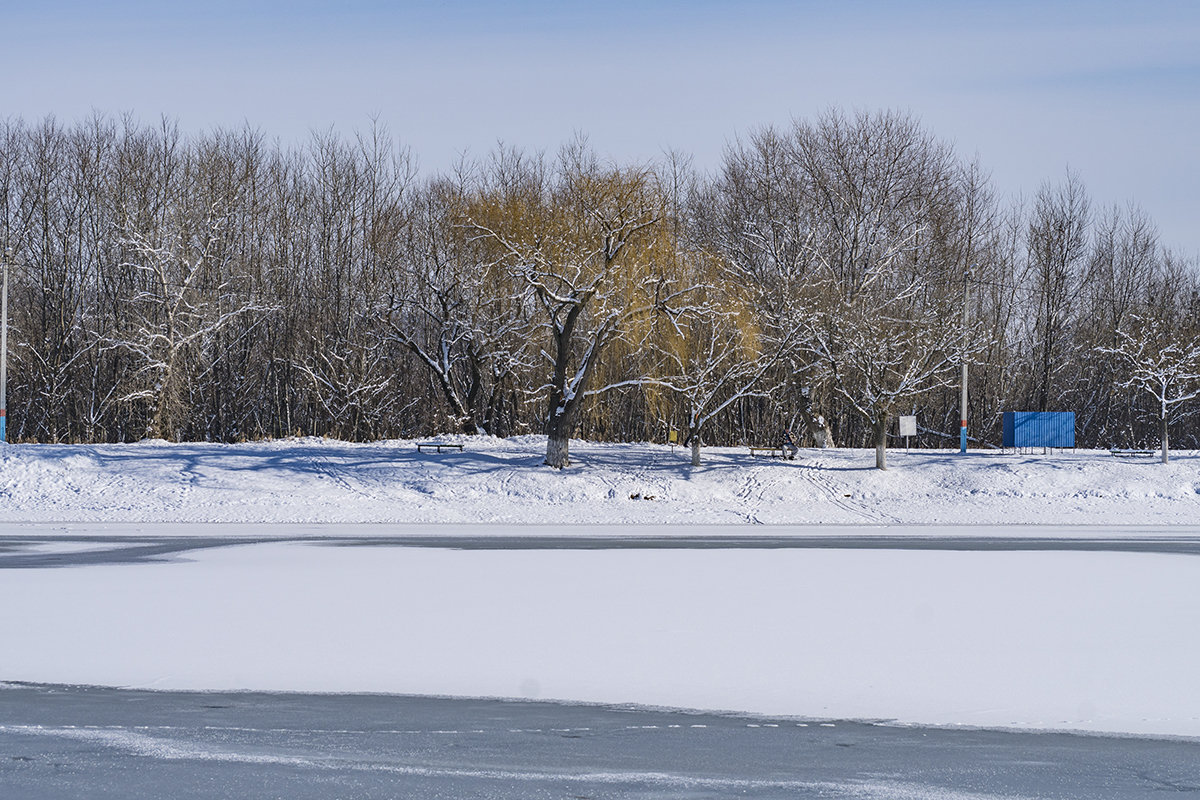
(962,429)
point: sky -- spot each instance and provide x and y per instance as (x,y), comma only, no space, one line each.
(1108,89)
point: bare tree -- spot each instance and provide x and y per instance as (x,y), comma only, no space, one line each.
(883,333)
(882,352)
(458,314)
(583,250)
(1057,252)
(184,301)
(1160,362)
(760,216)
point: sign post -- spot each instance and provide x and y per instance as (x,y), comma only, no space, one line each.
(908,427)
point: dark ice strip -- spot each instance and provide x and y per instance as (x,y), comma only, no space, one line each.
(20,552)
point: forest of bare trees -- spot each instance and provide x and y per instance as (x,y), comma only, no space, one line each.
(221,287)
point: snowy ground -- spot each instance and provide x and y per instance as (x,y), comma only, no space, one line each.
(494,480)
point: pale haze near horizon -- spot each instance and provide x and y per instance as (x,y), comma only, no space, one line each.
(1110,90)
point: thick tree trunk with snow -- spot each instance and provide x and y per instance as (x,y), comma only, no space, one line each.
(818,428)
(165,401)
(879,426)
(159,427)
(695,442)
(559,428)
(565,404)
(823,436)
(562,423)
(557,443)
(565,396)
(815,424)
(564,417)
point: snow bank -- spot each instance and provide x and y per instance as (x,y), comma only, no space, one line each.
(503,480)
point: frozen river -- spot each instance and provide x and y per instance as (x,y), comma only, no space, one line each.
(923,630)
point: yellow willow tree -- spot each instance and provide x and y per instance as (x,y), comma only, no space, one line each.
(715,349)
(583,241)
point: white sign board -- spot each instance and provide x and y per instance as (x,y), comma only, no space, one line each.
(908,426)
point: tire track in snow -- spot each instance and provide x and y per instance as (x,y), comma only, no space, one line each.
(815,476)
(326,468)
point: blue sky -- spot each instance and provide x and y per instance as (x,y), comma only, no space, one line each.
(1111,89)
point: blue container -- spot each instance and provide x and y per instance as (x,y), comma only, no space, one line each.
(1039,428)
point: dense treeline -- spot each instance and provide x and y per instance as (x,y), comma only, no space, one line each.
(221,287)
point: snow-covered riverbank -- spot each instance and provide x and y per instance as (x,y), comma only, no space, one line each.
(495,480)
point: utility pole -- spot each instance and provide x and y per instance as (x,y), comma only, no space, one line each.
(962,430)
(8,257)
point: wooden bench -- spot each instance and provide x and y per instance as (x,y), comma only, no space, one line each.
(773,452)
(438,446)
(1121,453)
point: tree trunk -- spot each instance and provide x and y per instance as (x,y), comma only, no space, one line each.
(694,438)
(558,436)
(824,435)
(562,423)
(472,428)
(817,427)
(160,424)
(1164,436)
(564,410)
(879,424)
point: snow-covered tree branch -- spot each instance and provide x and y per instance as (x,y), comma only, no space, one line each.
(184,299)
(582,245)
(1160,360)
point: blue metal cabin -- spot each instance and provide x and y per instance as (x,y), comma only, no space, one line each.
(1039,429)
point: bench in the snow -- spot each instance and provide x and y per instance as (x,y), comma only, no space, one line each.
(1121,452)
(766,450)
(438,446)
